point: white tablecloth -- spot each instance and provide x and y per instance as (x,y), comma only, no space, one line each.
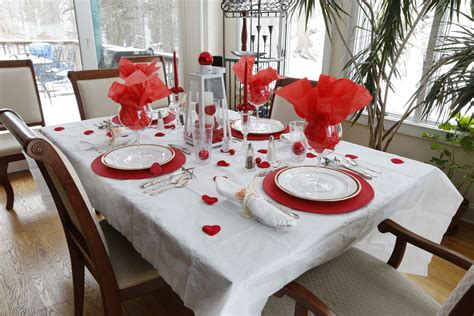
(235,271)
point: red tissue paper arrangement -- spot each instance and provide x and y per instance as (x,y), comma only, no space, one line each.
(327,104)
(256,84)
(141,87)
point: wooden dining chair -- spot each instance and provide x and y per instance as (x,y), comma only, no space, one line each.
(356,283)
(161,73)
(91,88)
(119,270)
(281,109)
(18,90)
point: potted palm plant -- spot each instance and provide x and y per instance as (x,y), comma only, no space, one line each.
(388,25)
(458,132)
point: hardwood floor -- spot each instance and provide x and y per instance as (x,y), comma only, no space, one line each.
(35,271)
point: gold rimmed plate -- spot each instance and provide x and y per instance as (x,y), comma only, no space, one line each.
(134,157)
(301,182)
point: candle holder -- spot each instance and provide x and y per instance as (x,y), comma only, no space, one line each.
(204,87)
(270,31)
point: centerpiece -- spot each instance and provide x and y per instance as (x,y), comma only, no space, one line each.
(324,107)
(140,87)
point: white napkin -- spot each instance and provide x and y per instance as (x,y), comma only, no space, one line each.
(100,141)
(254,205)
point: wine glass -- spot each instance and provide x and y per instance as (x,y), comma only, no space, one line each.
(136,119)
(245,125)
(258,96)
(176,102)
(321,139)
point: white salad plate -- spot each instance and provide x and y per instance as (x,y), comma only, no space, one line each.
(134,157)
(301,182)
(260,126)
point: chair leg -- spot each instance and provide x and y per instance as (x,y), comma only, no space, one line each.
(112,304)
(78,281)
(6,184)
(300,310)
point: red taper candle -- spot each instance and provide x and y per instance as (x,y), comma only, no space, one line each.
(175,69)
(246,87)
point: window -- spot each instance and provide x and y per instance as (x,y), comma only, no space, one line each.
(306,46)
(419,51)
(45,32)
(125,28)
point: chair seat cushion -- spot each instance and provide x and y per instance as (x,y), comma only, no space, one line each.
(356,283)
(9,145)
(129,267)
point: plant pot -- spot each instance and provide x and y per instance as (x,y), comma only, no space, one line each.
(453,226)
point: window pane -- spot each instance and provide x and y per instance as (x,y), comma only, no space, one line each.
(125,28)
(410,67)
(453,31)
(45,32)
(306,46)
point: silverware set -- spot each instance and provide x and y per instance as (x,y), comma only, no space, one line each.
(182,148)
(177,179)
(344,164)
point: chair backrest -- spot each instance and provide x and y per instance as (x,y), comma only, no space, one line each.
(161,73)
(18,90)
(91,88)
(81,228)
(281,109)
(461,299)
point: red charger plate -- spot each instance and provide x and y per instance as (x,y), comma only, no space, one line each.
(362,199)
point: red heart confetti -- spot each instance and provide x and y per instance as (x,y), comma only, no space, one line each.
(203,154)
(232,152)
(264,164)
(159,134)
(58,129)
(262,151)
(209,199)
(298,148)
(223,163)
(397,161)
(211,230)
(88,132)
(258,160)
(310,155)
(170,126)
(156,169)
(109,134)
(352,156)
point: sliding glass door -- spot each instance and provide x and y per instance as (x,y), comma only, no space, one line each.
(45,32)
(128,28)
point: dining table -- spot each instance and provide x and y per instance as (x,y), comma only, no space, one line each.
(235,271)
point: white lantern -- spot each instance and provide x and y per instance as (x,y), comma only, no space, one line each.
(206,89)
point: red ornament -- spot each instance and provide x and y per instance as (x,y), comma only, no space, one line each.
(298,148)
(203,154)
(205,58)
(210,109)
(258,160)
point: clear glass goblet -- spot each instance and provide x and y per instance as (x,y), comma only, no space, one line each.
(321,140)
(259,96)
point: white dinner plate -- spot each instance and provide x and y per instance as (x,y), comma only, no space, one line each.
(132,158)
(299,182)
(260,126)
